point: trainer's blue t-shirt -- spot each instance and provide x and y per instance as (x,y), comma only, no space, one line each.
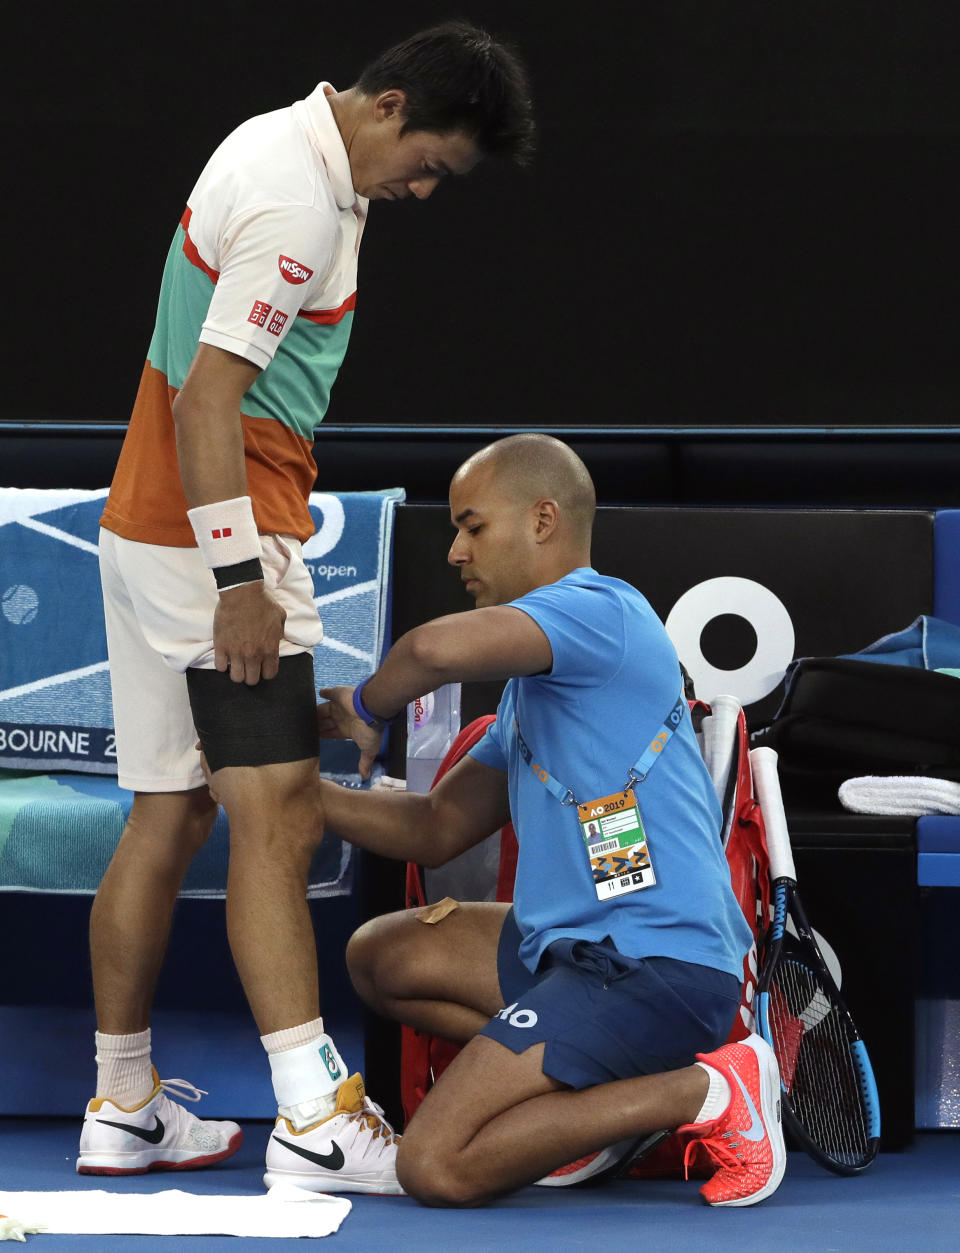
(615,678)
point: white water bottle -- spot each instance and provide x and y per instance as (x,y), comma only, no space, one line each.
(433,723)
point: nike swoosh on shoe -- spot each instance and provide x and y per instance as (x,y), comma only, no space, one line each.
(756,1130)
(152,1135)
(329,1161)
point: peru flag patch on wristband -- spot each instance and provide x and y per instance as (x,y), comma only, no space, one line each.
(223,533)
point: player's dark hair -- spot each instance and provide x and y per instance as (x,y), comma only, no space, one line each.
(456,77)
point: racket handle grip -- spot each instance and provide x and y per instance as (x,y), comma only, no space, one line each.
(766,786)
(719,736)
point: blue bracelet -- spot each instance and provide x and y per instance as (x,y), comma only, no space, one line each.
(363,712)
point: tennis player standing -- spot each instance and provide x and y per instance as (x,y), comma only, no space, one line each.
(209,608)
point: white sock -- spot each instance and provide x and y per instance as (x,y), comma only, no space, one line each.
(124,1071)
(307,1072)
(718,1095)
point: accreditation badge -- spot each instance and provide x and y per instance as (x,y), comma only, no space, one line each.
(616,845)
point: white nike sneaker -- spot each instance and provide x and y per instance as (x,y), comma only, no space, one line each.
(354,1150)
(157,1135)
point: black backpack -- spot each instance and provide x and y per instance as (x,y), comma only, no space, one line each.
(842,718)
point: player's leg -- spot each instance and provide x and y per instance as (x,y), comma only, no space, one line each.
(440,977)
(131,914)
(260,743)
(275,828)
(132,1125)
(328,1136)
(172,813)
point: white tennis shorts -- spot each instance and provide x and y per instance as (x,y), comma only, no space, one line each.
(158,606)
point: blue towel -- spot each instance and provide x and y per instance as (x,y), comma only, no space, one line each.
(54,685)
(58,833)
(55,711)
(927,643)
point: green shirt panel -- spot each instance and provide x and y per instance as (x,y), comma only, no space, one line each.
(294,389)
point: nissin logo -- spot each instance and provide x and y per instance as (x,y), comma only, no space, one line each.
(293,271)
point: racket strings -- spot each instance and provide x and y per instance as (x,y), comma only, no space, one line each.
(812,1040)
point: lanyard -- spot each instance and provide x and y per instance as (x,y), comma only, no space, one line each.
(638,771)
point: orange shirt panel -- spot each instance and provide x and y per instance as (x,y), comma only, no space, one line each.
(146,501)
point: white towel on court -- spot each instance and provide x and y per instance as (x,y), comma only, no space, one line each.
(910,796)
(284,1211)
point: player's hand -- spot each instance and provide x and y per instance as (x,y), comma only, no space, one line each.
(247,629)
(337,720)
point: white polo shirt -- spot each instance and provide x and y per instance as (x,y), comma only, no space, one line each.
(263,265)
(275,216)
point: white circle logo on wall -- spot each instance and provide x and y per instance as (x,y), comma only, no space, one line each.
(20,604)
(764,611)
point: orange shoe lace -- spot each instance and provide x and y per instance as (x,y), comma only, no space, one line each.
(723,1154)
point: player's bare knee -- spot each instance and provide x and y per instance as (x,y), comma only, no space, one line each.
(180,822)
(274,811)
(199,816)
(299,821)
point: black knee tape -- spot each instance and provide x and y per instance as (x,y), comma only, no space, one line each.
(273,721)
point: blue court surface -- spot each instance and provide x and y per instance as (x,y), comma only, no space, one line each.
(906,1201)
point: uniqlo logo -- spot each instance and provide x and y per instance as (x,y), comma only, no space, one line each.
(223,533)
(277,323)
(259,313)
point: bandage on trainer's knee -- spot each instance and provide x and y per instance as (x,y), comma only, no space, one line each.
(268,722)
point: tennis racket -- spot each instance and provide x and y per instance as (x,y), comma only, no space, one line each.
(830,1101)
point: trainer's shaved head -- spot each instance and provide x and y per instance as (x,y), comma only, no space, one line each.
(532,467)
(523,512)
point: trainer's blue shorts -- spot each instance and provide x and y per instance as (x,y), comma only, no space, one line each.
(603,1016)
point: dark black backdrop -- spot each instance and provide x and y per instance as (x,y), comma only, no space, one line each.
(741,212)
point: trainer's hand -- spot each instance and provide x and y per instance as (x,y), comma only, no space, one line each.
(247,629)
(337,720)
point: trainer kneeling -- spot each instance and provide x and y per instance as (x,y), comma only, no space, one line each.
(593,1011)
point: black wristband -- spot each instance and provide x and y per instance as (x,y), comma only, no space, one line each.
(240,572)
